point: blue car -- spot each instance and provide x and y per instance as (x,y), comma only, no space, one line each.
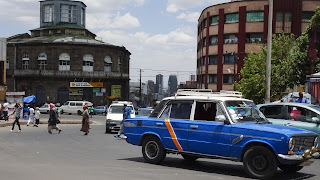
(98,110)
(198,124)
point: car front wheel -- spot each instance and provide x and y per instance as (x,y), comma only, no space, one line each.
(152,150)
(290,168)
(259,162)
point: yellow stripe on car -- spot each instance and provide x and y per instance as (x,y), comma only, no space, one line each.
(173,135)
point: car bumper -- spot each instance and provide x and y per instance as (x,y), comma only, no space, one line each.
(294,158)
(112,126)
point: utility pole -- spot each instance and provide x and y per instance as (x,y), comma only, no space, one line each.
(269,46)
(140,94)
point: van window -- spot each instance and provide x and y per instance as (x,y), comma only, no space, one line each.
(78,104)
(66,103)
(72,104)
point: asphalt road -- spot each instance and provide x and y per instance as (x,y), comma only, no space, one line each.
(36,155)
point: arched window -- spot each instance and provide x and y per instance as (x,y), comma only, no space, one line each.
(87,63)
(25,61)
(107,64)
(64,62)
(42,61)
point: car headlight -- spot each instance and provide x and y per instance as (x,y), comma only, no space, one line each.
(291,144)
(316,141)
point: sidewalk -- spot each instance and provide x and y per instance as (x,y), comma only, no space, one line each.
(24,122)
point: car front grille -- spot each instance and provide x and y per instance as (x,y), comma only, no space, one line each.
(303,141)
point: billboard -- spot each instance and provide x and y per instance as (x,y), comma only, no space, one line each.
(3,49)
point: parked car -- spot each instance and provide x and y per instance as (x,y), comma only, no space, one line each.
(98,110)
(74,107)
(115,115)
(300,115)
(143,112)
(44,108)
(199,124)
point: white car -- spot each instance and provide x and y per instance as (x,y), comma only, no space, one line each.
(44,108)
(74,107)
(115,115)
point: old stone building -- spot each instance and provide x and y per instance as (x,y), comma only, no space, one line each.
(63,61)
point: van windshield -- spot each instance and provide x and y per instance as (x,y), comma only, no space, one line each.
(119,109)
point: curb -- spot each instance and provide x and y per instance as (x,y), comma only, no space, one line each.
(43,122)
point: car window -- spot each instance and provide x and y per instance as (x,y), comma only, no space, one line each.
(205,111)
(78,104)
(301,114)
(66,103)
(116,109)
(244,111)
(72,104)
(158,109)
(271,111)
(177,110)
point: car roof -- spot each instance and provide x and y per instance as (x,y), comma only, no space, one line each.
(287,103)
(216,98)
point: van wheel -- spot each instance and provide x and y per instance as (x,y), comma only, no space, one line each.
(79,112)
(259,162)
(152,150)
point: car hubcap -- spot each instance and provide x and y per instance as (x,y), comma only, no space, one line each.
(152,149)
(259,162)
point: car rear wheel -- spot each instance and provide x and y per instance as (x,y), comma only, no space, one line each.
(152,150)
(188,157)
(290,168)
(259,162)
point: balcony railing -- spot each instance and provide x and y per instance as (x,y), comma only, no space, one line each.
(70,74)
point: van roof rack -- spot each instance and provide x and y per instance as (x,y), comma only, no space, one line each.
(121,102)
(207,92)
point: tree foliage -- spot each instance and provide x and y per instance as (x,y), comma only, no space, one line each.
(253,81)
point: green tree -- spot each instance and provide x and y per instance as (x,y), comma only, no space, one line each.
(252,83)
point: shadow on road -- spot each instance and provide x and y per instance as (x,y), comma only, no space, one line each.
(236,170)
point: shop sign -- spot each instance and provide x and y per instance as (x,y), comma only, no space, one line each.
(86,84)
(95,90)
(116,91)
(76,92)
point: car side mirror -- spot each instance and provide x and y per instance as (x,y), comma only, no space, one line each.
(315,120)
(222,118)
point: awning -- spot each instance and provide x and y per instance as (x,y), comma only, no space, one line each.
(29,99)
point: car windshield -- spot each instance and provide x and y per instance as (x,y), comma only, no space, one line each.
(317,108)
(244,111)
(119,109)
(145,112)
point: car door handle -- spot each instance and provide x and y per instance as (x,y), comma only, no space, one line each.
(159,124)
(194,126)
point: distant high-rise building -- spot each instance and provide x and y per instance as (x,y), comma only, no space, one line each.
(193,77)
(159,84)
(151,86)
(172,84)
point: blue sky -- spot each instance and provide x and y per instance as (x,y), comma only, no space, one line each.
(160,34)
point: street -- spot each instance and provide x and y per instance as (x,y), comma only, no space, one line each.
(36,155)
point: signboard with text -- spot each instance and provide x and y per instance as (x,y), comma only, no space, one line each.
(116,91)
(85,84)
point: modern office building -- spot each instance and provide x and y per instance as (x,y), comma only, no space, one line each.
(228,32)
(159,84)
(61,60)
(172,85)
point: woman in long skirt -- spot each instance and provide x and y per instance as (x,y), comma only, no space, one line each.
(85,120)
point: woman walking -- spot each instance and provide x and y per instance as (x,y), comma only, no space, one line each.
(53,119)
(85,120)
(17,112)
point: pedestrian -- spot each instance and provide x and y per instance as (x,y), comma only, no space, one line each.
(17,112)
(85,120)
(91,110)
(31,117)
(126,115)
(1,111)
(53,119)
(301,99)
(105,109)
(37,116)
(5,110)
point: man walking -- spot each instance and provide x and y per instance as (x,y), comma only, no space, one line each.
(5,110)
(17,112)
(301,99)
(126,115)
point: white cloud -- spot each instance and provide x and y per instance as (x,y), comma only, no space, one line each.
(190,17)
(174,6)
(110,5)
(109,21)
